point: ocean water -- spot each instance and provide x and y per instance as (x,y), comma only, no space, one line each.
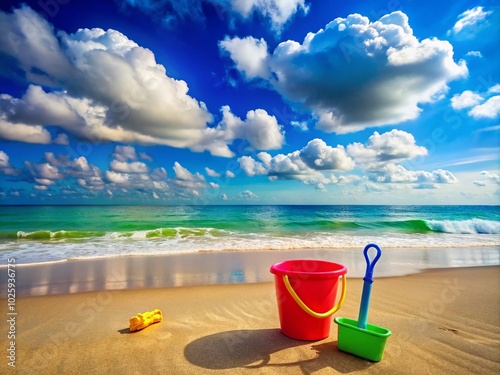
(33,234)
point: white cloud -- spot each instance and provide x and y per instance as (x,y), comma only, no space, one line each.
(247,194)
(230,174)
(466,99)
(474,53)
(61,139)
(392,173)
(303,164)
(301,125)
(249,54)
(187,180)
(277,12)
(494,89)
(182,173)
(393,146)
(489,109)
(470,20)
(125,153)
(158,174)
(259,129)
(318,155)
(320,181)
(479,183)
(118,178)
(491,176)
(211,172)
(376,159)
(379,66)
(91,183)
(145,156)
(104,86)
(43,171)
(6,167)
(22,132)
(133,167)
(108,88)
(483,105)
(252,167)
(44,181)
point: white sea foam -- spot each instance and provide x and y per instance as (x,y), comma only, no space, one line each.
(471,226)
(203,239)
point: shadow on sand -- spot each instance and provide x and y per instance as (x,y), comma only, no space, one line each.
(254,348)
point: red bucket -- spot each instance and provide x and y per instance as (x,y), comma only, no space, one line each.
(306,291)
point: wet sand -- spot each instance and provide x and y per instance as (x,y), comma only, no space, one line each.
(215,268)
(443,321)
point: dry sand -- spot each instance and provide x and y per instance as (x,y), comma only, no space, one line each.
(444,321)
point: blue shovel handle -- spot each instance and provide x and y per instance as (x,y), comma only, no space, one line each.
(367,285)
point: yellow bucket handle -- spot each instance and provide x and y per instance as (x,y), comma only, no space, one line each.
(306,308)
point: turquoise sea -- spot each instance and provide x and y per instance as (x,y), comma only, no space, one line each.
(33,234)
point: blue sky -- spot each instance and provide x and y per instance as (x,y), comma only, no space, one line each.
(249,102)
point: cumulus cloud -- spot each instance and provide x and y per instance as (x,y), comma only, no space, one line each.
(392,173)
(494,89)
(259,129)
(22,132)
(101,86)
(145,156)
(470,21)
(303,164)
(318,155)
(117,178)
(44,181)
(301,125)
(249,55)
(6,167)
(482,105)
(247,194)
(491,176)
(61,139)
(394,146)
(466,99)
(376,159)
(230,174)
(211,172)
(489,109)
(474,53)
(277,12)
(124,153)
(186,179)
(379,66)
(124,167)
(105,86)
(44,171)
(61,168)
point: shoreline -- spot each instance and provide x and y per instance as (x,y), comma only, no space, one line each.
(224,267)
(442,321)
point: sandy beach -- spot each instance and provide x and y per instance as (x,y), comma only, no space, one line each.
(443,321)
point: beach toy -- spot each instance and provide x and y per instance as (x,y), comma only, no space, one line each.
(141,321)
(306,292)
(358,337)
